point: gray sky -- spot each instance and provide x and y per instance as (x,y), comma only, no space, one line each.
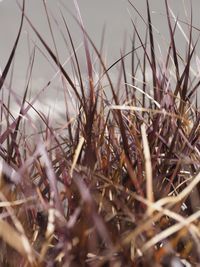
(114,14)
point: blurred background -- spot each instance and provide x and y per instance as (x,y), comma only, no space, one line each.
(112,15)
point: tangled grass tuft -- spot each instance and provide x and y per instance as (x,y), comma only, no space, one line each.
(118,183)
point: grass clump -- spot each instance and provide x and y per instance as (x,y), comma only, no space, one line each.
(117,184)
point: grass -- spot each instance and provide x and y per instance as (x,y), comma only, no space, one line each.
(117,184)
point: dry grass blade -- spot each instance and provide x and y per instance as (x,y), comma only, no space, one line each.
(182,194)
(153,57)
(4,204)
(18,241)
(148,168)
(141,109)
(7,67)
(76,154)
(171,230)
(173,43)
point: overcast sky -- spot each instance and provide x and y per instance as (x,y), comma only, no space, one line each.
(115,15)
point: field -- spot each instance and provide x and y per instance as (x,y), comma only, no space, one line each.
(116,182)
